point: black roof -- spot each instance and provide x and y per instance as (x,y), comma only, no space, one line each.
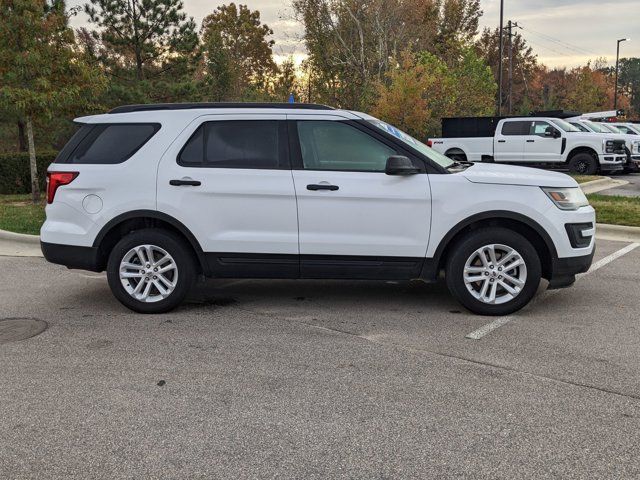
(188,106)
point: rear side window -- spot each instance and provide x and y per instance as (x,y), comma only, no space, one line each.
(237,144)
(516,128)
(106,143)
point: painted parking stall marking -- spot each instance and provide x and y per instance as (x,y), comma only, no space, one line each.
(499,322)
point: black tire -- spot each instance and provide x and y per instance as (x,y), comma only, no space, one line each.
(175,247)
(583,164)
(463,250)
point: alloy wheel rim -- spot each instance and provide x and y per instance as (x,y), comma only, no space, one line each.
(148,273)
(495,274)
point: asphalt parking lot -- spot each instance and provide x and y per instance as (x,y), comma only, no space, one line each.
(331,379)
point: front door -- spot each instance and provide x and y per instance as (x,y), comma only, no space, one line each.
(354,220)
(541,145)
(228,180)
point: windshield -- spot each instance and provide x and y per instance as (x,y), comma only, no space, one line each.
(595,127)
(437,157)
(566,126)
(582,128)
(611,128)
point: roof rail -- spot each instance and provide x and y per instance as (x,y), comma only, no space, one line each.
(189,106)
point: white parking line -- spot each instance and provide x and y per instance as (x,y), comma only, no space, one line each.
(499,322)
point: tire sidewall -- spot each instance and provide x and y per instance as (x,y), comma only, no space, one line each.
(592,167)
(165,240)
(465,247)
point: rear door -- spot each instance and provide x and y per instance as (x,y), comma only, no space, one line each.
(228,180)
(540,146)
(509,140)
(355,221)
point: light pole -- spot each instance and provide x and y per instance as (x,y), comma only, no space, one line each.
(615,94)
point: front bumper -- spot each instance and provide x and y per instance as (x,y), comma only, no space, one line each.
(564,270)
(72,256)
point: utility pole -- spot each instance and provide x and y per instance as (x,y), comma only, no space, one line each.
(510,26)
(510,67)
(500,57)
(615,94)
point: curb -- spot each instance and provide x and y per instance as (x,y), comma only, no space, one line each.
(605,183)
(617,232)
(20,237)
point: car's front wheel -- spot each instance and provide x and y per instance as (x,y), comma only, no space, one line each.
(150,271)
(493,271)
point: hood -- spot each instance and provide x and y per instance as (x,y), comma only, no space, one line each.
(500,174)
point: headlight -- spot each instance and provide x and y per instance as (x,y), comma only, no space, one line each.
(567,198)
(608,146)
(636,147)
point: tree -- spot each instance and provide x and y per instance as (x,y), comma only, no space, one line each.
(422,89)
(237,53)
(525,65)
(143,31)
(629,81)
(40,69)
(351,42)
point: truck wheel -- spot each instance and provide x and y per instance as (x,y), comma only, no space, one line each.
(583,164)
(150,271)
(493,271)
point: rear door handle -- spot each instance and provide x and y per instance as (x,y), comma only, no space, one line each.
(326,186)
(191,183)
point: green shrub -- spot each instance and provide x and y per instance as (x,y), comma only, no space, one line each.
(14,171)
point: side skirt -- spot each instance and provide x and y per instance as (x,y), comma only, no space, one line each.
(248,265)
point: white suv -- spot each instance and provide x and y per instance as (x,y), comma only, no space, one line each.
(157,195)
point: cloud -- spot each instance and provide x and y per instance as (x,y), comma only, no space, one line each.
(561,32)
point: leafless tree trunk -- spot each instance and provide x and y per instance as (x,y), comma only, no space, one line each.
(35,185)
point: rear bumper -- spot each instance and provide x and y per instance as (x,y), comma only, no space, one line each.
(72,256)
(564,270)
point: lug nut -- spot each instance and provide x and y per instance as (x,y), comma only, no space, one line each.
(500,277)
(491,266)
(155,278)
(155,269)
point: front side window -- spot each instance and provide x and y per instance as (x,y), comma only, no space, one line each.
(515,128)
(540,128)
(237,144)
(106,144)
(332,145)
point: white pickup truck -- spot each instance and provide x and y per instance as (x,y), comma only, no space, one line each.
(532,141)
(611,130)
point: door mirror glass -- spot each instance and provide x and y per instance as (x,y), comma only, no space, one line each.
(400,165)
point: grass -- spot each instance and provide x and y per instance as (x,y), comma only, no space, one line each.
(19,214)
(616,210)
(585,178)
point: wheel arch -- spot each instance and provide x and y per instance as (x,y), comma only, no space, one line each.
(582,149)
(519,223)
(455,150)
(127,222)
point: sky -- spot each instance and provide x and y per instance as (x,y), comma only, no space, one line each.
(561,32)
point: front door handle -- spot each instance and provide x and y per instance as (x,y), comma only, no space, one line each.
(191,183)
(322,186)
(530,141)
(501,141)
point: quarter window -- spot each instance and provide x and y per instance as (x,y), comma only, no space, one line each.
(237,144)
(516,128)
(106,144)
(333,145)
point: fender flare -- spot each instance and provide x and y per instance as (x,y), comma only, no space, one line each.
(431,266)
(193,241)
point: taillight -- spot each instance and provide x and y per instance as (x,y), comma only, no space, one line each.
(429,143)
(57,179)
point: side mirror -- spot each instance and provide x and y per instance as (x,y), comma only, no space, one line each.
(400,165)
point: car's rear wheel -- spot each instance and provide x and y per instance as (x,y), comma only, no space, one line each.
(150,271)
(493,271)
(583,164)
